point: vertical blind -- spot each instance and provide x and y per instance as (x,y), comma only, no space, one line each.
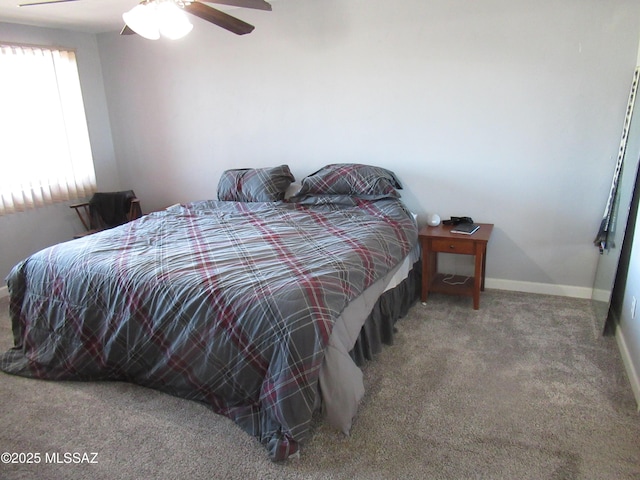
(45,154)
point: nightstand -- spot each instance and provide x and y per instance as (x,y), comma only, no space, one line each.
(434,240)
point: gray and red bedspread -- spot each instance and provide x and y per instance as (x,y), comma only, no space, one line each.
(226,303)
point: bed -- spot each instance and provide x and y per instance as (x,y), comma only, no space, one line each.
(258,306)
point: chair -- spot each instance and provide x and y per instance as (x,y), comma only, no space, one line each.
(107,210)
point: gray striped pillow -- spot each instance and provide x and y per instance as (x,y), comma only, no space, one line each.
(254,184)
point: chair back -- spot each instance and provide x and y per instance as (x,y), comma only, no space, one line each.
(106,210)
(110,209)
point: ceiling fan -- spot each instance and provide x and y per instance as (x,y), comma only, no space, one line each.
(150,18)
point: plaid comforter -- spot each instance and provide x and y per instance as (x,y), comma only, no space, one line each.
(230,304)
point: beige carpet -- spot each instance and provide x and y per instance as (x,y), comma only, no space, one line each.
(524,388)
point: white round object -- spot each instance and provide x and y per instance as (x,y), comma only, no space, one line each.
(434,220)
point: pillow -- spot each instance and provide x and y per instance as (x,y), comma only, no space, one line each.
(254,184)
(292,191)
(338,200)
(351,179)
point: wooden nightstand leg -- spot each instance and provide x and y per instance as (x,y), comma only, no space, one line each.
(477,278)
(484,266)
(426,274)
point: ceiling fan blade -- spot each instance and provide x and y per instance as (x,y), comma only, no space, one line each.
(219,18)
(44,2)
(256,4)
(126,30)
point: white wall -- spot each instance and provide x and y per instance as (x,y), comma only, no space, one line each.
(510,112)
(22,234)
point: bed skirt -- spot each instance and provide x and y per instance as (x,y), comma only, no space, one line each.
(379,328)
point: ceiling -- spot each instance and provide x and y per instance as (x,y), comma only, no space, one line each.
(90,16)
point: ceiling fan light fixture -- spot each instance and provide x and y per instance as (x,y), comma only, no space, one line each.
(153,18)
(143,20)
(172,21)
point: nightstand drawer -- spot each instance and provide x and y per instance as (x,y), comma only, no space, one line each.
(453,246)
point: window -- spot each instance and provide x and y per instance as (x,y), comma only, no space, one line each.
(45,154)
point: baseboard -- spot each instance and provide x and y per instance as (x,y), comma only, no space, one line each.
(4,292)
(634,380)
(600,295)
(542,288)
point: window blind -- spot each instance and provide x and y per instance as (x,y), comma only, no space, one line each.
(45,151)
